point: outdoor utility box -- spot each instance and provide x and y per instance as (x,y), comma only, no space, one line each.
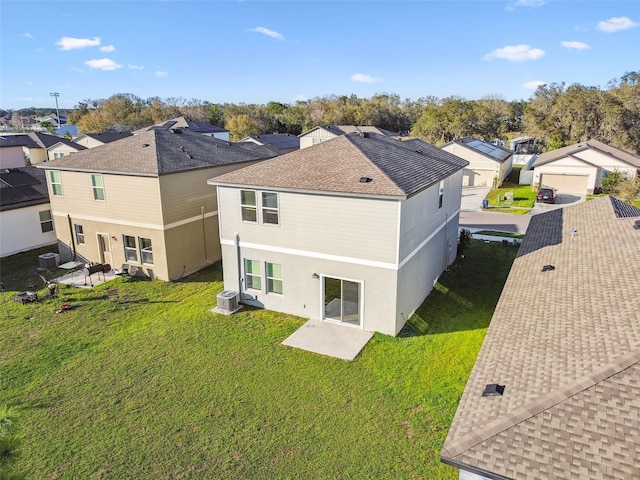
(485,203)
(228,302)
(49,260)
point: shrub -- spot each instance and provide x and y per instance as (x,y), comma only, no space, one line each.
(463,240)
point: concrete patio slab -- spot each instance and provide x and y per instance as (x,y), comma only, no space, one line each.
(329,339)
(78,279)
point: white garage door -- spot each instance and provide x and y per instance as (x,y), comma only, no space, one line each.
(573,184)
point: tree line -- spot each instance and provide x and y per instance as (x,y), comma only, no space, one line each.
(556,114)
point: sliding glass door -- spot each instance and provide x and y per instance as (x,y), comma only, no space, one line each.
(342,300)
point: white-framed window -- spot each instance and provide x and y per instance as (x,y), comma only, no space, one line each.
(98,186)
(56,182)
(130,249)
(316,140)
(248,206)
(146,251)
(46,221)
(79,230)
(270,208)
(274,277)
(441,194)
(58,154)
(252,276)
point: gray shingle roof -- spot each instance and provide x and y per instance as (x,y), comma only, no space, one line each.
(281,141)
(22,187)
(344,129)
(22,140)
(589,144)
(108,137)
(395,168)
(566,345)
(185,123)
(158,152)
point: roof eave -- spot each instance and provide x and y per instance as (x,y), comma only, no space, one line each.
(469,468)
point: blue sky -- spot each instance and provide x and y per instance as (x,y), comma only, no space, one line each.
(261,51)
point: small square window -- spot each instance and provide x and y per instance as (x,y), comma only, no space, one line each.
(79,230)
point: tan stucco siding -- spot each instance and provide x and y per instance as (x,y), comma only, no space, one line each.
(35,155)
(192,246)
(340,226)
(307,140)
(64,149)
(11,157)
(185,194)
(483,168)
(128,199)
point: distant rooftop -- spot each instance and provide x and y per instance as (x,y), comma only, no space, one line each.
(184,123)
(22,187)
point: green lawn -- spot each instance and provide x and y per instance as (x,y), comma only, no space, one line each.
(523,196)
(159,387)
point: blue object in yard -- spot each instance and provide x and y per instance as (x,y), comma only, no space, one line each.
(485,203)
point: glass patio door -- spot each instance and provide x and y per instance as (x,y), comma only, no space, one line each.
(341,300)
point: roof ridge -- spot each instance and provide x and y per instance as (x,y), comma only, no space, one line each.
(544,402)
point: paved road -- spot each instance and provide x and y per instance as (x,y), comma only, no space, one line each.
(503,222)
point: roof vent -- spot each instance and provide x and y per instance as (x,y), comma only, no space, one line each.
(144,145)
(177,131)
(419,151)
(548,268)
(366,179)
(636,225)
(493,390)
(364,134)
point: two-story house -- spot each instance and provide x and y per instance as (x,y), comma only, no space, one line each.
(355,230)
(322,133)
(144,201)
(489,165)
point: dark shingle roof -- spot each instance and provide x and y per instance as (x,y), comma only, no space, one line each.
(157,152)
(184,123)
(22,187)
(566,345)
(281,141)
(22,140)
(108,137)
(344,129)
(395,168)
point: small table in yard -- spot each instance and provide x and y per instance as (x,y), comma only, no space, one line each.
(25,297)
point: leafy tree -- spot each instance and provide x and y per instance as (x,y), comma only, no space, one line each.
(612,181)
(555,143)
(48,126)
(241,126)
(629,189)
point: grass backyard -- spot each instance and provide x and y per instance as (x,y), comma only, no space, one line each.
(159,387)
(524,197)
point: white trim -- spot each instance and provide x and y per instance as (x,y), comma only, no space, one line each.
(304,253)
(361,302)
(340,258)
(398,230)
(125,223)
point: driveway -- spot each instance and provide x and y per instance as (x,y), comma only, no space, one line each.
(472,198)
(562,200)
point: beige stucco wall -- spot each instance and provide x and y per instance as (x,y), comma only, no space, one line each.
(88,142)
(481,168)
(62,148)
(11,157)
(306,140)
(35,155)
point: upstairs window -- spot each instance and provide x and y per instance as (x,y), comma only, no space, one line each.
(79,234)
(46,221)
(56,182)
(441,194)
(130,250)
(248,206)
(58,154)
(270,208)
(98,186)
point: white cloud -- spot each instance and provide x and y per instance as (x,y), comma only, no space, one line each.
(515,53)
(269,33)
(107,48)
(136,67)
(69,43)
(533,84)
(27,35)
(573,45)
(103,64)
(615,24)
(362,78)
(525,3)
(161,73)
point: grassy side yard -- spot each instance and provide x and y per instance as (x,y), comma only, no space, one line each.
(159,387)
(524,197)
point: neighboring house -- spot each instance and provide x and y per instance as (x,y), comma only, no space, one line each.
(354,231)
(325,132)
(63,148)
(282,142)
(36,145)
(92,140)
(11,151)
(489,165)
(561,358)
(579,169)
(143,201)
(25,213)
(191,125)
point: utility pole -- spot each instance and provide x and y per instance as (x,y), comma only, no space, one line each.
(56,94)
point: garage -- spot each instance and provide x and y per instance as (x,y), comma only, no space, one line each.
(570,184)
